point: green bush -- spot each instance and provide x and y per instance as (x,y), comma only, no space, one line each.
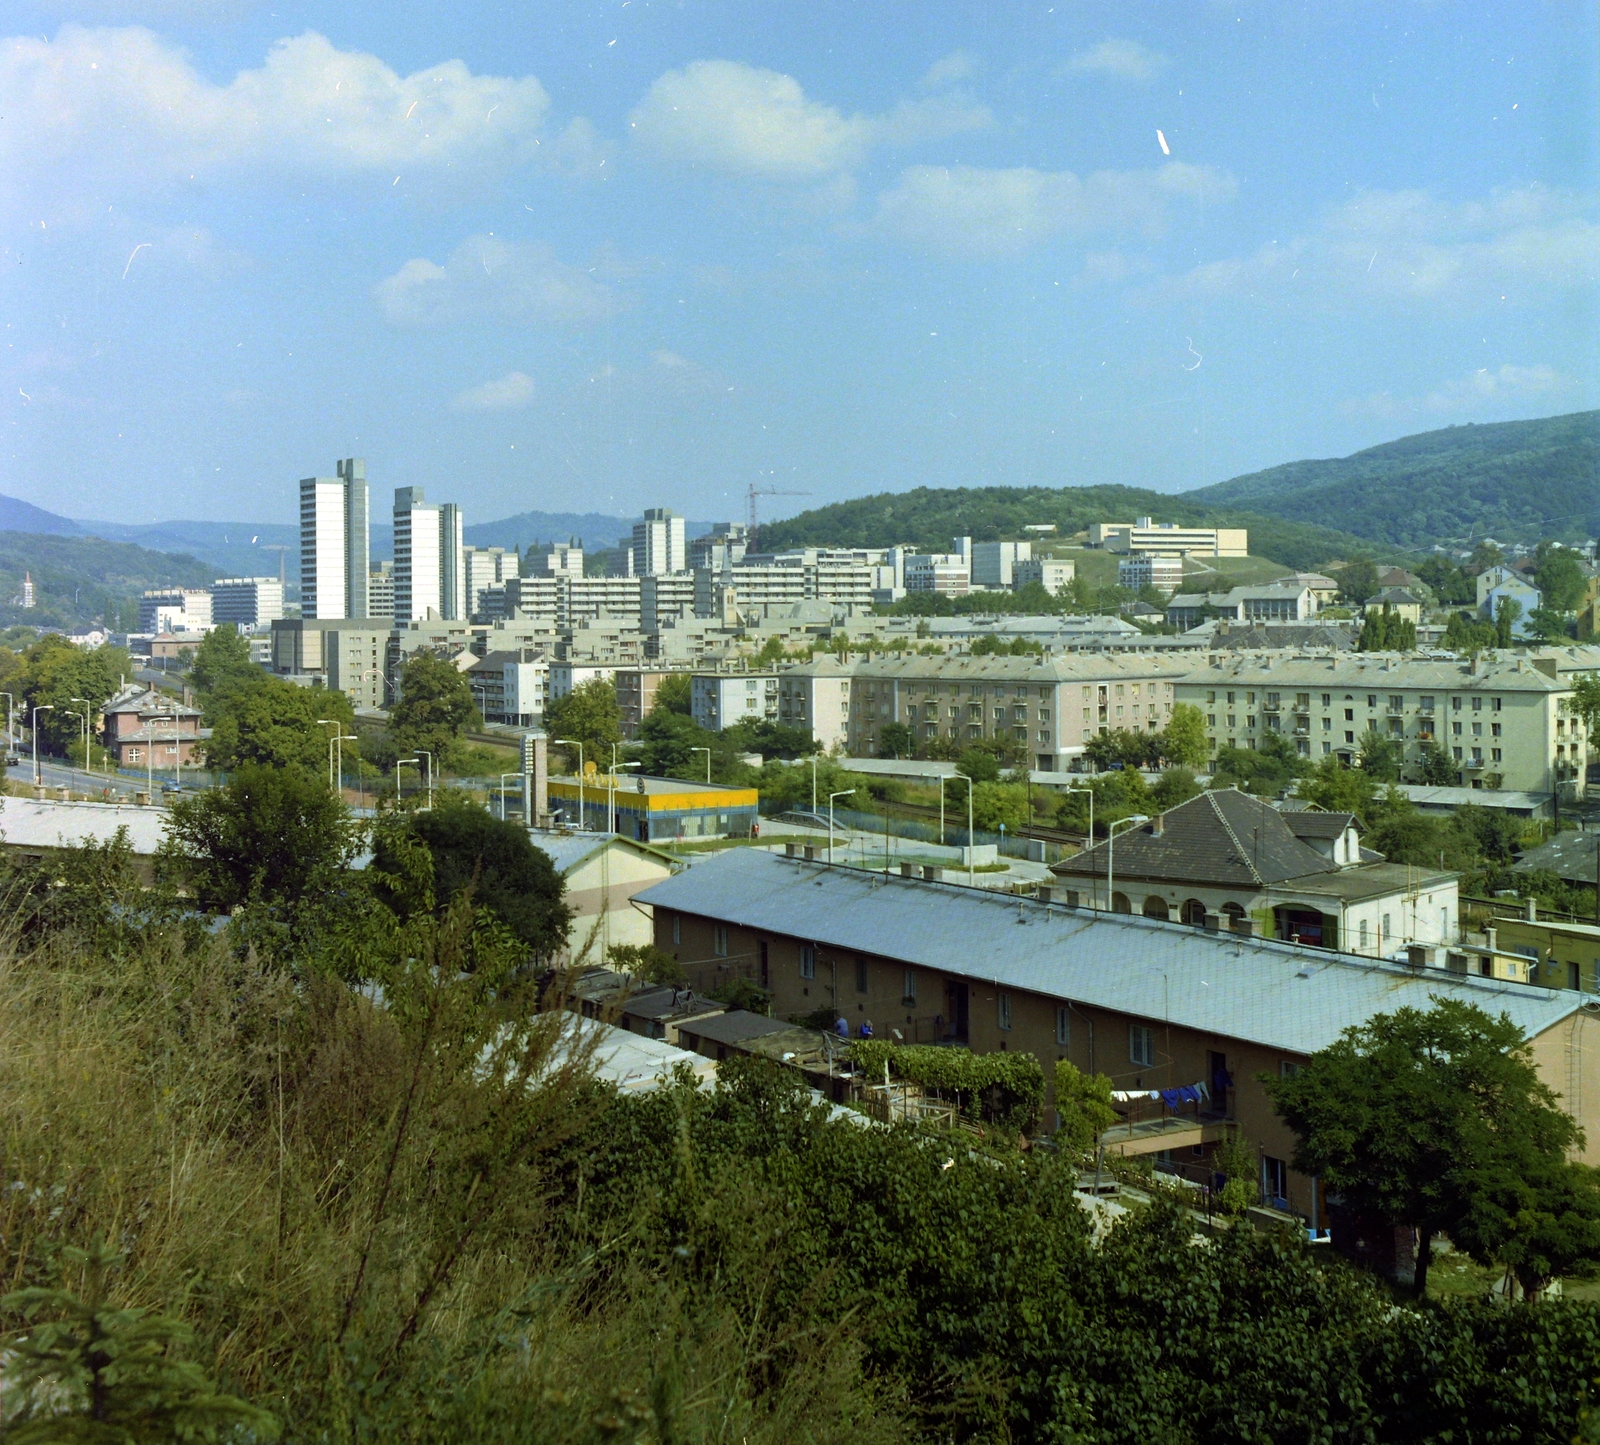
(1006,1089)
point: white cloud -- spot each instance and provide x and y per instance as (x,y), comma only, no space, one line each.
(727,116)
(956,66)
(1484,390)
(1412,246)
(124,106)
(505,393)
(486,277)
(1122,59)
(967,211)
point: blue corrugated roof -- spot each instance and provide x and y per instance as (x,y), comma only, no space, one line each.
(1284,996)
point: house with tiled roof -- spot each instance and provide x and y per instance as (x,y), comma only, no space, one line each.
(147,728)
(1228,861)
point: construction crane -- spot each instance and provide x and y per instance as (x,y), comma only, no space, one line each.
(753,523)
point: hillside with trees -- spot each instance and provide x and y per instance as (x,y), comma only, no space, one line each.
(81,581)
(1518,481)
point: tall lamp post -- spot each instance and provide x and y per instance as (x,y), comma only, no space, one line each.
(574,743)
(84,716)
(38,708)
(11,731)
(337,726)
(503,777)
(707,752)
(400,763)
(424,753)
(1094,902)
(72,712)
(1111,843)
(611,800)
(843,793)
(336,749)
(972,861)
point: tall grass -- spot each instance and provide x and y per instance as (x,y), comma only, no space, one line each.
(353,1203)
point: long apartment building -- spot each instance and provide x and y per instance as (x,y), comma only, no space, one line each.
(1051,705)
(1505,721)
(1148,535)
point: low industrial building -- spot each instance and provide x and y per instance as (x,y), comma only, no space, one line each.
(1151,1004)
(36,830)
(654,810)
(603,874)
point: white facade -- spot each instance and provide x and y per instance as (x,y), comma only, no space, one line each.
(1161,570)
(564,676)
(175,609)
(1049,573)
(416,557)
(937,572)
(562,560)
(380,590)
(246,601)
(333,543)
(718,700)
(1147,535)
(484,568)
(815,697)
(510,687)
(1501,582)
(658,544)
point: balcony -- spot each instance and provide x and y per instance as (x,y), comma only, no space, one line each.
(1152,1136)
(1473,764)
(1272,705)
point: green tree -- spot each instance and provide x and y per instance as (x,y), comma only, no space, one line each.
(55,673)
(1183,740)
(1450,585)
(1507,612)
(1585,706)
(222,657)
(1484,556)
(770,739)
(507,876)
(1358,579)
(1340,789)
(1436,767)
(897,740)
(674,693)
(994,804)
(670,746)
(1265,770)
(1386,631)
(1083,1108)
(1381,756)
(1240,1167)
(1559,575)
(272,835)
(1535,1213)
(272,722)
(1174,786)
(1415,1117)
(1462,633)
(84,1370)
(644,961)
(589,715)
(1547,625)
(434,709)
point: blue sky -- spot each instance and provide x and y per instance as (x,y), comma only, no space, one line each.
(607,256)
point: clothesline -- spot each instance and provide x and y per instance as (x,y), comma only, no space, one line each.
(1184,1094)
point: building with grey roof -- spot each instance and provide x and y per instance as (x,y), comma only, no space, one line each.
(1228,860)
(1152,1004)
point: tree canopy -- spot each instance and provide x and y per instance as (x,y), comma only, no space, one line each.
(589,715)
(434,709)
(263,719)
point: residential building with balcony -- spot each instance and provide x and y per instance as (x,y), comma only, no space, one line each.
(509,687)
(636,694)
(1161,570)
(718,700)
(1050,706)
(348,654)
(1504,720)
(815,697)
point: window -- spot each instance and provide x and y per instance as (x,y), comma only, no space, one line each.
(1363,933)
(1494,704)
(1494,728)
(1455,729)
(677,928)
(1142,1045)
(1387,931)
(1288,1068)
(1574,978)
(1455,704)
(1477,704)
(910,987)
(719,939)
(1349,714)
(1004,1011)
(808,960)
(1275,1181)
(1494,755)
(1457,753)
(1327,699)
(1372,700)
(861,975)
(1063,1026)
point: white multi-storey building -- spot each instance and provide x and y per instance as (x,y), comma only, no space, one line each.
(380,590)
(246,601)
(718,700)
(1051,574)
(333,543)
(1147,535)
(564,559)
(429,561)
(658,544)
(510,686)
(485,568)
(938,572)
(1161,570)
(175,609)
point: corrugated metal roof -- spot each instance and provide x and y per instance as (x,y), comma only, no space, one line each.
(1281,995)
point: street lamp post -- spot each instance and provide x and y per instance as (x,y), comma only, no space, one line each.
(11,731)
(843,793)
(72,712)
(38,708)
(813,785)
(424,753)
(574,743)
(611,799)
(972,860)
(503,777)
(400,763)
(84,718)
(323,722)
(1094,902)
(337,743)
(707,752)
(1111,843)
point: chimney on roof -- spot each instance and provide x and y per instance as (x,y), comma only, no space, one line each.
(1158,824)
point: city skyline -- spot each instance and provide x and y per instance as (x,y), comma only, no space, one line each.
(642,258)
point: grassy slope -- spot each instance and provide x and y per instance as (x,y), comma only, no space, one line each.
(106,576)
(1517,481)
(929,518)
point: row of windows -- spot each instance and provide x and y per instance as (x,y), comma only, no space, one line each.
(1396,702)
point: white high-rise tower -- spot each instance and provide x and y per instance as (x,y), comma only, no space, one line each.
(333,543)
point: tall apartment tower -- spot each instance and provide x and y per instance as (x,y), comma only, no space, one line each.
(416,557)
(658,544)
(333,543)
(454,603)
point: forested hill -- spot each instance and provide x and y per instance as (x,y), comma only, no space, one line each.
(1516,481)
(928,518)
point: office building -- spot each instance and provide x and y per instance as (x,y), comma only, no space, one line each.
(1147,535)
(1053,575)
(948,572)
(993,563)
(1161,570)
(380,591)
(658,544)
(175,609)
(333,543)
(454,600)
(246,602)
(346,654)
